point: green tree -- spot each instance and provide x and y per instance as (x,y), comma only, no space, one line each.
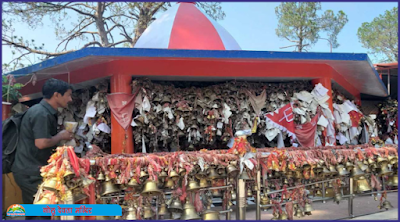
(380,35)
(102,24)
(300,23)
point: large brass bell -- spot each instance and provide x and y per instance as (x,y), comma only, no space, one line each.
(109,187)
(150,189)
(182,172)
(342,170)
(210,214)
(143,175)
(307,209)
(175,206)
(381,160)
(192,186)
(333,171)
(189,212)
(163,209)
(387,205)
(357,172)
(50,184)
(131,215)
(162,175)
(392,159)
(173,175)
(299,212)
(148,212)
(361,185)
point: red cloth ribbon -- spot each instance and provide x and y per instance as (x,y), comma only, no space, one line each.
(283,119)
(305,133)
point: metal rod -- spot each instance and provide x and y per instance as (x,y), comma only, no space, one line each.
(214,188)
(225,211)
(323,192)
(351,197)
(241,203)
(258,209)
(309,184)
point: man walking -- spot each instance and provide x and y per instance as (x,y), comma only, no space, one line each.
(38,137)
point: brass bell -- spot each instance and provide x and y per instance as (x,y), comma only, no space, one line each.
(201,174)
(150,189)
(109,187)
(337,198)
(244,176)
(189,212)
(342,170)
(162,175)
(133,183)
(213,174)
(318,193)
(169,184)
(249,192)
(275,216)
(332,169)
(392,159)
(370,161)
(393,181)
(381,160)
(175,206)
(173,175)
(100,177)
(307,209)
(384,170)
(50,184)
(325,171)
(52,172)
(283,216)
(210,214)
(68,175)
(232,170)
(329,192)
(163,209)
(357,172)
(203,183)
(148,212)
(182,172)
(233,195)
(298,213)
(192,186)
(362,184)
(362,166)
(143,175)
(386,204)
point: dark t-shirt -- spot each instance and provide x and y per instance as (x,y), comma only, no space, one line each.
(39,122)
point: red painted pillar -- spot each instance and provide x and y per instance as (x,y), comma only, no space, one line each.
(121,141)
(327,83)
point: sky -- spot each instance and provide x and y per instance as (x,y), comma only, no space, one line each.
(253,26)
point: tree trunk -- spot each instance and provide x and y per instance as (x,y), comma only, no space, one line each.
(100,24)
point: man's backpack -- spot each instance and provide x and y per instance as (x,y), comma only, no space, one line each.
(11,129)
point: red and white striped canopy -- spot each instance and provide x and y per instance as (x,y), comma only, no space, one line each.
(184,26)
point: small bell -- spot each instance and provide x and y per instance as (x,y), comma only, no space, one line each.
(143,175)
(325,171)
(384,170)
(189,212)
(169,184)
(133,183)
(232,171)
(192,186)
(163,209)
(233,195)
(283,216)
(275,216)
(333,171)
(249,192)
(362,166)
(213,174)
(148,212)
(381,160)
(342,170)
(203,183)
(175,206)
(337,198)
(182,172)
(244,176)
(162,175)
(109,187)
(298,213)
(68,175)
(216,193)
(386,204)
(173,175)
(307,209)
(210,214)
(201,174)
(357,172)
(50,184)
(100,177)
(150,189)
(362,185)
